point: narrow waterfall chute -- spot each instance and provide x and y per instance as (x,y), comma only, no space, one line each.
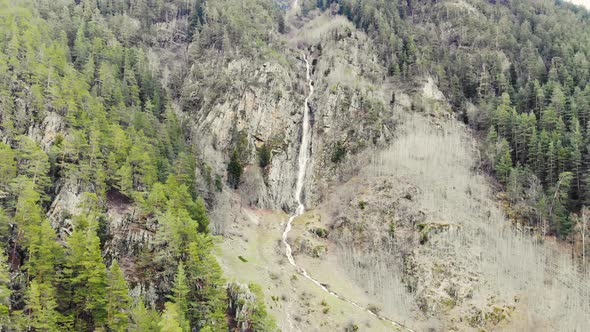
(302,159)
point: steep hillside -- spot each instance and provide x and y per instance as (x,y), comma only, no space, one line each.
(100,217)
(333,165)
(413,231)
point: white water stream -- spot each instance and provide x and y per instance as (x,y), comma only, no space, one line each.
(302,159)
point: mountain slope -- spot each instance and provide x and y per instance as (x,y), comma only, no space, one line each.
(149,159)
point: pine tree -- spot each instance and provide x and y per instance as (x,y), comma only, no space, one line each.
(7,166)
(28,214)
(558,100)
(200,215)
(33,163)
(551,164)
(184,169)
(533,158)
(539,102)
(504,163)
(4,290)
(80,47)
(575,152)
(86,275)
(489,148)
(502,116)
(583,103)
(210,297)
(558,204)
(89,70)
(170,321)
(118,299)
(180,292)
(124,178)
(234,169)
(550,119)
(41,307)
(144,319)
(45,253)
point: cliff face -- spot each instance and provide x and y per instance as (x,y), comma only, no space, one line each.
(261,107)
(262,104)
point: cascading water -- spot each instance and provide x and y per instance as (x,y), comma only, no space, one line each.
(302,159)
(302,164)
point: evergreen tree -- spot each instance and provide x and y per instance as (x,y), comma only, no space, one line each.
(144,319)
(171,319)
(4,290)
(118,300)
(28,214)
(234,170)
(209,298)
(41,307)
(33,163)
(45,253)
(7,166)
(502,116)
(551,164)
(180,297)
(86,276)
(558,204)
(200,215)
(504,163)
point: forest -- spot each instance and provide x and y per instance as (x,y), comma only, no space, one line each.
(524,65)
(82,105)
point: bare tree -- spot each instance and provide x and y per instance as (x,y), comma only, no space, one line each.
(582,226)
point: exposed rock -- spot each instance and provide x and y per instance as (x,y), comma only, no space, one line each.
(47,131)
(65,205)
(246,309)
(430,90)
(265,109)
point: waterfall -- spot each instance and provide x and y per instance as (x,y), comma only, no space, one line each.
(302,160)
(302,165)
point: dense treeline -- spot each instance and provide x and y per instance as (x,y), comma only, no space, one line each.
(524,64)
(82,105)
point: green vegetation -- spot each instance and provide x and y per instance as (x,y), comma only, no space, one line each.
(338,152)
(86,110)
(320,232)
(261,321)
(362,204)
(391,229)
(264,155)
(524,64)
(83,107)
(248,308)
(235,168)
(325,307)
(352,327)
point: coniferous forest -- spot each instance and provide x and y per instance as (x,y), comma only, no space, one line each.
(82,106)
(86,112)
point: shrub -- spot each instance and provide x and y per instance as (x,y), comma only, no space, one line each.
(264,155)
(319,231)
(339,152)
(392,227)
